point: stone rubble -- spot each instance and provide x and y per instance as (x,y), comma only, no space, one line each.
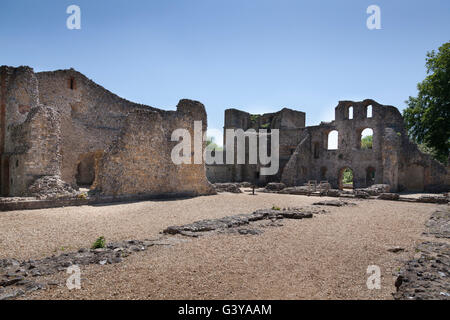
(334,203)
(232,223)
(48,187)
(227,187)
(427,276)
(17,278)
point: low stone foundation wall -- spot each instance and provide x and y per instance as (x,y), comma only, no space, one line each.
(29,204)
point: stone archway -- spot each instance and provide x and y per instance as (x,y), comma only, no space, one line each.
(345,178)
(87,169)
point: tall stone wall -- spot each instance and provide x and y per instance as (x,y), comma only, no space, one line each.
(304,153)
(37,151)
(392,160)
(289,123)
(139,162)
(63,124)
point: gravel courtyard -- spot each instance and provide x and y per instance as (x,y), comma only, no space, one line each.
(325,257)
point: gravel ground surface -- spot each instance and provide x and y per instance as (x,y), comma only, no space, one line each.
(325,257)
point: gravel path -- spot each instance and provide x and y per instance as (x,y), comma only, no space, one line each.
(325,257)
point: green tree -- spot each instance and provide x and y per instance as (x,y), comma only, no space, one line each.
(347,177)
(427,117)
(211,145)
(366,142)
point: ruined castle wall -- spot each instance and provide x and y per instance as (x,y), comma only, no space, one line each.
(63,124)
(37,149)
(139,162)
(295,171)
(18,97)
(288,122)
(393,159)
(419,172)
(91,116)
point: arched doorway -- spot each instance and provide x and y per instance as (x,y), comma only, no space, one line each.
(370,176)
(85,174)
(345,178)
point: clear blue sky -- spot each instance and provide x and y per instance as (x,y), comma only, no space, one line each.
(256,55)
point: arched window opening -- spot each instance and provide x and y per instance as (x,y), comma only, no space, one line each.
(333,138)
(369,111)
(350,113)
(367,138)
(72,84)
(316,150)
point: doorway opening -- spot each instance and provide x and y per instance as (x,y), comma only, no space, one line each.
(85,175)
(370,176)
(346,178)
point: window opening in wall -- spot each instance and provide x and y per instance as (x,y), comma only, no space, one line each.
(333,138)
(316,150)
(367,138)
(369,111)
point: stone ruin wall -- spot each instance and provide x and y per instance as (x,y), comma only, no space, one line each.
(139,161)
(304,153)
(60,123)
(394,159)
(290,122)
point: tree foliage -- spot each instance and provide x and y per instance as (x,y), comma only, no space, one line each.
(427,117)
(366,142)
(211,145)
(347,176)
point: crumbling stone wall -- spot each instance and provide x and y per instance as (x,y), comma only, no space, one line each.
(62,124)
(289,122)
(140,160)
(393,159)
(304,153)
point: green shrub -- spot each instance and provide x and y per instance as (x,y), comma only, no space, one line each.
(276,208)
(99,243)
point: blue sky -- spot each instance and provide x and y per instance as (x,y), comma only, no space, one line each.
(256,55)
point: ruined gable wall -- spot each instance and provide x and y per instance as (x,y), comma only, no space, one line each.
(91,116)
(131,142)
